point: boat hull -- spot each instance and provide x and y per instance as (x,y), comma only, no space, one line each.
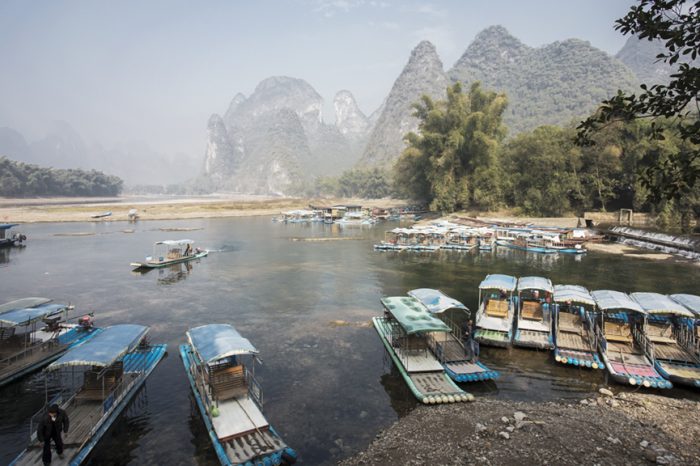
(643,375)
(578,358)
(160,265)
(275,458)
(679,373)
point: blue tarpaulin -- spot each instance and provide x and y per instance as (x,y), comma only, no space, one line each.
(217,341)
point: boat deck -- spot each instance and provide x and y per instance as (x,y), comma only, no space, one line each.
(573,341)
(452,348)
(255,445)
(681,371)
(238,416)
(494,323)
(432,383)
(532,339)
(35,357)
(534,325)
(418,361)
(672,352)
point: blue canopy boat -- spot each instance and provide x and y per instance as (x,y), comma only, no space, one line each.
(6,239)
(622,342)
(404,331)
(494,319)
(533,318)
(229,397)
(574,327)
(33,333)
(672,345)
(108,370)
(460,362)
(692,303)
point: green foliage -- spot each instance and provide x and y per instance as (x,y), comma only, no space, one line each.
(675,22)
(20,179)
(453,161)
(372,183)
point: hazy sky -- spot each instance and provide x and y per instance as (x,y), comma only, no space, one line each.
(155,70)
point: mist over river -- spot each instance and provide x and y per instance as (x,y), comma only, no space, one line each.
(306,305)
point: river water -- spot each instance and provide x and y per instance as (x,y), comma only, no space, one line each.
(328,386)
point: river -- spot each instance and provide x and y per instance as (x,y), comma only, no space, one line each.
(328,385)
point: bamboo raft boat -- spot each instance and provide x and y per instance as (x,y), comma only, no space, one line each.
(403,331)
(533,317)
(494,319)
(622,342)
(668,325)
(230,399)
(575,340)
(110,368)
(460,362)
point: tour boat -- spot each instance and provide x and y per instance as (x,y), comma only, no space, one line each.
(667,325)
(220,365)
(575,341)
(622,342)
(533,316)
(692,303)
(97,380)
(459,362)
(33,333)
(404,330)
(169,252)
(494,319)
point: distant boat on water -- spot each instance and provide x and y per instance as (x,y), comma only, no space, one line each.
(102,215)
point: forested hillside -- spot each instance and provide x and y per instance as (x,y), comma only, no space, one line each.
(19,179)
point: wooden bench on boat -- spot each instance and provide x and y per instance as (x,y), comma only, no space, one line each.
(497,308)
(531,310)
(618,332)
(98,388)
(228,382)
(661,333)
(570,323)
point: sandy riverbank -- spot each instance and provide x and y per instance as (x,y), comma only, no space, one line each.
(630,428)
(81,209)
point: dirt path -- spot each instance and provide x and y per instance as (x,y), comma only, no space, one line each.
(608,430)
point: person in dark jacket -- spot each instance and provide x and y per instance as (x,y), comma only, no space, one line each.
(50,427)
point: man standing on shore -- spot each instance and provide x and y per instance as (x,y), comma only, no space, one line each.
(50,427)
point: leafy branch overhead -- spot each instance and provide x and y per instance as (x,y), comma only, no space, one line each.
(677,24)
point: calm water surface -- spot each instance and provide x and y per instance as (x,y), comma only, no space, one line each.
(329,388)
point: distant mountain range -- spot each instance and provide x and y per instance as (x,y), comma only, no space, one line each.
(62,147)
(276,139)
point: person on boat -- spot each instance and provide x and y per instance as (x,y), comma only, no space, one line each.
(188,250)
(50,427)
(471,346)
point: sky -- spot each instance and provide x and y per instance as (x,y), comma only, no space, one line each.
(154,71)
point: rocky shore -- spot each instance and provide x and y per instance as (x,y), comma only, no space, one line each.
(608,429)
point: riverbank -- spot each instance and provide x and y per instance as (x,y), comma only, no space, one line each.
(161,208)
(628,428)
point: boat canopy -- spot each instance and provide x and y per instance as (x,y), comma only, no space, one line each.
(498,281)
(23,303)
(7,226)
(535,283)
(218,341)
(435,300)
(175,242)
(413,316)
(105,348)
(690,301)
(610,300)
(656,303)
(22,317)
(572,293)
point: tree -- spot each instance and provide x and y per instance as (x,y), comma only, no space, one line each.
(676,22)
(452,161)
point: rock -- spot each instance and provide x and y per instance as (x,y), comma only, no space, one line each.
(643,444)
(584,402)
(505,420)
(510,429)
(505,435)
(649,455)
(614,440)
(664,459)
(519,416)
(606,392)
(479,427)
(614,403)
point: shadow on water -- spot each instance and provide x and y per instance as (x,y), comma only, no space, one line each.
(328,388)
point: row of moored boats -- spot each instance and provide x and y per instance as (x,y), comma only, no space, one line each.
(99,370)
(451,236)
(642,339)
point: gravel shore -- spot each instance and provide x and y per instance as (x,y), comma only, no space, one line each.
(623,429)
